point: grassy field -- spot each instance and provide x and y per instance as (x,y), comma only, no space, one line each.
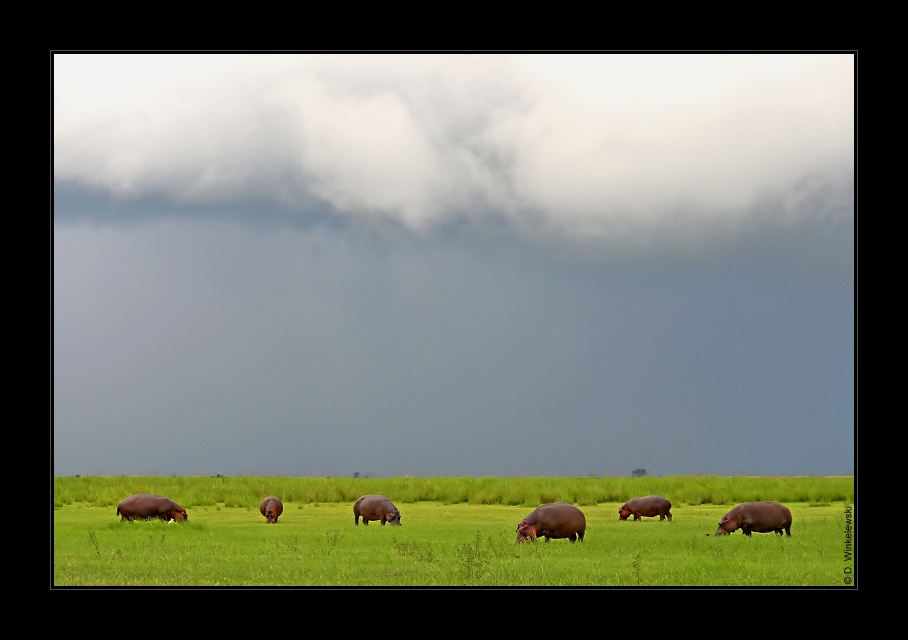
(449,543)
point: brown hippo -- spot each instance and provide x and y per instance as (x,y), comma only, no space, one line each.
(761,517)
(554,520)
(144,506)
(650,507)
(372,507)
(271,508)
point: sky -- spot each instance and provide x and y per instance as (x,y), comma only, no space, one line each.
(453,264)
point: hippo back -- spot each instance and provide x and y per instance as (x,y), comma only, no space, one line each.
(769,516)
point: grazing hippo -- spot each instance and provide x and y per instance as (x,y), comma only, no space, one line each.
(761,517)
(372,507)
(650,507)
(271,508)
(555,520)
(144,506)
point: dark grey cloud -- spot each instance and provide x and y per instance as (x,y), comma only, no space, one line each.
(193,347)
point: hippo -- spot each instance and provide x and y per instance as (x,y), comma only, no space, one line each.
(372,507)
(761,517)
(144,506)
(554,520)
(650,507)
(271,508)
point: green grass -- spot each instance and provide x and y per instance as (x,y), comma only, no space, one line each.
(242,491)
(439,545)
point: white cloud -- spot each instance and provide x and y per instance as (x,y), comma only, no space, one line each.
(586,144)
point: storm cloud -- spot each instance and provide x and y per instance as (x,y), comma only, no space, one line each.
(453,264)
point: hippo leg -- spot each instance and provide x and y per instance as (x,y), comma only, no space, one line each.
(661,517)
(669,516)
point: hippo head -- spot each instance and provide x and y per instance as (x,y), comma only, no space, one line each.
(393,518)
(526,531)
(270,515)
(179,514)
(726,526)
(623,513)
